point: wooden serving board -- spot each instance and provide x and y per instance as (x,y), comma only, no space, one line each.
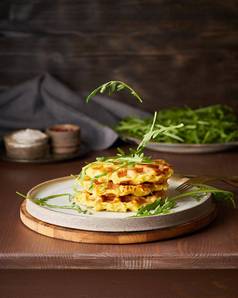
(83,236)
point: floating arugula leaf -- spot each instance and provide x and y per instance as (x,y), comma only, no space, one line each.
(111,87)
(134,156)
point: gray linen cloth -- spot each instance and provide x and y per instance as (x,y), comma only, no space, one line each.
(44,101)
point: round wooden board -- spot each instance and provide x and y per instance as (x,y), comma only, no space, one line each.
(112,237)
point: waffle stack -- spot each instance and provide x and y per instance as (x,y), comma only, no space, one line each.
(111,186)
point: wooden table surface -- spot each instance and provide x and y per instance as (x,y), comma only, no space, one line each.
(213,248)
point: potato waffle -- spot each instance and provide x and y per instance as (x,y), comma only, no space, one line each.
(113,186)
(108,188)
(134,174)
(113,203)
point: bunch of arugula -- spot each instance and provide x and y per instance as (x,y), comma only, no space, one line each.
(211,124)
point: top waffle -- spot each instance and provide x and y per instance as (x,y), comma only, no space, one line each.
(135,174)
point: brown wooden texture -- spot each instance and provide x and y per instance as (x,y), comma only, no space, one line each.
(172,52)
(118,284)
(211,248)
(81,236)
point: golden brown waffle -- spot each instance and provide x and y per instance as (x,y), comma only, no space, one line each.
(113,203)
(113,186)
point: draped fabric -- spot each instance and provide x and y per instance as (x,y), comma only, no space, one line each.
(44,101)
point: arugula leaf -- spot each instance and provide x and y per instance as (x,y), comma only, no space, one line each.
(165,205)
(136,155)
(44,202)
(111,87)
(201,189)
(160,206)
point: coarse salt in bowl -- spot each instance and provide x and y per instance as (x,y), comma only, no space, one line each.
(29,136)
(26,144)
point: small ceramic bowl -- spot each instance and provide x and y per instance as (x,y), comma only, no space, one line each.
(26,144)
(65,138)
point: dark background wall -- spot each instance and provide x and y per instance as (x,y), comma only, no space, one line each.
(172,52)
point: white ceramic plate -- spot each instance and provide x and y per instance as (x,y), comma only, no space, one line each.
(184,148)
(187,209)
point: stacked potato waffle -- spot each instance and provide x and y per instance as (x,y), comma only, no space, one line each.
(112,186)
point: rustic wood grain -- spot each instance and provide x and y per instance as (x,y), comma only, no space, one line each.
(118,284)
(213,247)
(173,53)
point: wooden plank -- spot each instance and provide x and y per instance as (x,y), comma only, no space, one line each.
(173,53)
(117,284)
(160,80)
(69,16)
(141,41)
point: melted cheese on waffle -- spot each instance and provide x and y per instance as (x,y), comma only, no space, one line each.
(113,186)
(108,188)
(130,174)
(113,203)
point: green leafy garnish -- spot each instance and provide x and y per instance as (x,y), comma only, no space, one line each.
(165,205)
(199,190)
(212,124)
(44,202)
(134,156)
(160,206)
(137,155)
(111,87)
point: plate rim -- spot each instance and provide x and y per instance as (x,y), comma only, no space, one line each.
(183,148)
(127,137)
(112,224)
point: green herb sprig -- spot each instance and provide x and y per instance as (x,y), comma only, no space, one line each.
(112,87)
(137,155)
(166,205)
(44,202)
(160,206)
(199,190)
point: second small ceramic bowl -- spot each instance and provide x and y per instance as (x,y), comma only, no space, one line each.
(65,138)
